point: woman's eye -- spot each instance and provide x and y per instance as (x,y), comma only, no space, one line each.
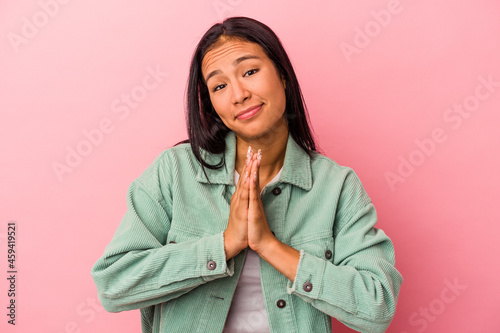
(251,72)
(248,73)
(219,87)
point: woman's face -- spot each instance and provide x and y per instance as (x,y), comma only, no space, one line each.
(245,88)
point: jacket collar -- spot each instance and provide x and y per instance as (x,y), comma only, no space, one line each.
(296,168)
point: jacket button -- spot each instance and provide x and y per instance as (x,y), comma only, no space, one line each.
(172,242)
(308,286)
(211,265)
(328,254)
(281,303)
(276,191)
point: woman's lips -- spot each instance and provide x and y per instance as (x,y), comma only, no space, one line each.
(250,113)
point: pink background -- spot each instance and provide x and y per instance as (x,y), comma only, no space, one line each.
(375,85)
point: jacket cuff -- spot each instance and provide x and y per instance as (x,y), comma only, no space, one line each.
(311,282)
(213,261)
(309,276)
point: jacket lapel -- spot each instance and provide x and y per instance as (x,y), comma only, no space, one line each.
(296,167)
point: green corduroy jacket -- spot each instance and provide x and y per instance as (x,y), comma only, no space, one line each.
(167,255)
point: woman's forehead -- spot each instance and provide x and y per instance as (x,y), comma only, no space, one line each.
(228,51)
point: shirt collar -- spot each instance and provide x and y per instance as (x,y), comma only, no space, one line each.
(296,168)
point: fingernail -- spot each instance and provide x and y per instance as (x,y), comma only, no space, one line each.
(259,157)
(248,154)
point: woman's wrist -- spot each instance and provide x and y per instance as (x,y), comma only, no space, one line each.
(281,256)
(231,249)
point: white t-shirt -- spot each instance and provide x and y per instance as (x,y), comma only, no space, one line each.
(248,311)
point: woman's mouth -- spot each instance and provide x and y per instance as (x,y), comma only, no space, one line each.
(249,113)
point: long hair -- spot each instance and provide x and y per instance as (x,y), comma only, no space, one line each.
(205,129)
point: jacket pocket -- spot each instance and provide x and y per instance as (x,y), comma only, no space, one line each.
(319,245)
(176,235)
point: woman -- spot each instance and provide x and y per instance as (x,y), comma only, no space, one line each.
(245,227)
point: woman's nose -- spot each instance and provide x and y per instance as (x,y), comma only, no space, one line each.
(240,92)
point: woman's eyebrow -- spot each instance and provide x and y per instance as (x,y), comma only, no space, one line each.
(236,62)
(245,57)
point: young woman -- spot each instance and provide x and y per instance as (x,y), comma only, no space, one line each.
(245,227)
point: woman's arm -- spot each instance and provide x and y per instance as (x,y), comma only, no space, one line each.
(138,268)
(361,286)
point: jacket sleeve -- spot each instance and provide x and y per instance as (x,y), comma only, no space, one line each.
(138,269)
(360,286)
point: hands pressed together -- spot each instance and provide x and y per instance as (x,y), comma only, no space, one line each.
(247,226)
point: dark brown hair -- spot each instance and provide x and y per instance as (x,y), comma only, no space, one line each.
(205,129)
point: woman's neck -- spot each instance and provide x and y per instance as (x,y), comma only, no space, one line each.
(273,148)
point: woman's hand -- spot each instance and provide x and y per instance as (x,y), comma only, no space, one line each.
(259,233)
(248,226)
(236,234)
(282,257)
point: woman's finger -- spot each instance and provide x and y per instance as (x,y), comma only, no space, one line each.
(256,172)
(242,179)
(253,183)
